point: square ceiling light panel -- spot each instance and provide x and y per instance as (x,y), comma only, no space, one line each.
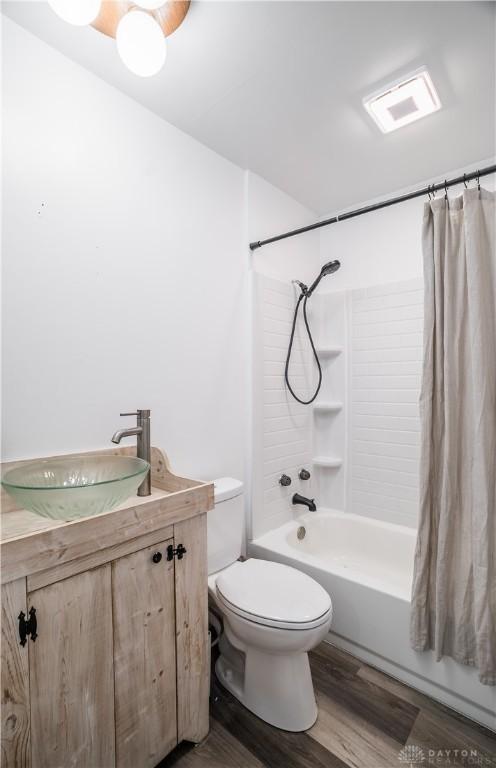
(403,102)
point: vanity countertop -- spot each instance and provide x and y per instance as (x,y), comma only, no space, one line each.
(30,543)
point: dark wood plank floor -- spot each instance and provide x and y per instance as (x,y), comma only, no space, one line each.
(366,720)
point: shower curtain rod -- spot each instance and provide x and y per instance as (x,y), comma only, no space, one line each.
(430,189)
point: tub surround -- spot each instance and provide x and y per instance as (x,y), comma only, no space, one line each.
(108,591)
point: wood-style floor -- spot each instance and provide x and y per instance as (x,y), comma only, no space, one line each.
(365,720)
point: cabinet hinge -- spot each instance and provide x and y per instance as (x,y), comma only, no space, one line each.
(179,552)
(28,627)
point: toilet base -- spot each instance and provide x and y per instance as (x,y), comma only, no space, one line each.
(277,688)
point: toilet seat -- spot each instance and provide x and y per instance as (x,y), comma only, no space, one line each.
(266,622)
(273,595)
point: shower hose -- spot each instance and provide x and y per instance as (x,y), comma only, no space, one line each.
(302,298)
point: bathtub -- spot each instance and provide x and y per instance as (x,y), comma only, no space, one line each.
(366,566)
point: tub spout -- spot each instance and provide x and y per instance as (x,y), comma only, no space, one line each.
(310,503)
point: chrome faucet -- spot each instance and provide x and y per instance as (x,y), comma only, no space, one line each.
(143,446)
(299,499)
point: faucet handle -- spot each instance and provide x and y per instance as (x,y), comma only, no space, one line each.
(134,413)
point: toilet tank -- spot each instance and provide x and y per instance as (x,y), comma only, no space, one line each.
(225,524)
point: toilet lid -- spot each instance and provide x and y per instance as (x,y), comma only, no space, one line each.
(273,593)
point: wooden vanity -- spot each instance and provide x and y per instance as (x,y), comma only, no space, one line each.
(116,671)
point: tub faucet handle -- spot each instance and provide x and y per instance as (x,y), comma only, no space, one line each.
(284,480)
(304,474)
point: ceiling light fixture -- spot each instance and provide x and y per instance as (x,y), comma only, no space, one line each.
(404,101)
(141,43)
(78,12)
(140,27)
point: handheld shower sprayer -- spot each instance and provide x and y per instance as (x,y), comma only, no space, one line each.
(327,269)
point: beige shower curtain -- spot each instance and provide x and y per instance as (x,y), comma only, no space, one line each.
(454,588)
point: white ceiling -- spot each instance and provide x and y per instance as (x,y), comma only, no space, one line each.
(277,87)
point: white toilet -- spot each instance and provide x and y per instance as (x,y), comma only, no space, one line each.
(273,615)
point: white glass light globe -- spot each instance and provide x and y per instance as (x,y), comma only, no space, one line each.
(150,5)
(141,43)
(78,12)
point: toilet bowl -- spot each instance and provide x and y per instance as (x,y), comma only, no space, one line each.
(273,615)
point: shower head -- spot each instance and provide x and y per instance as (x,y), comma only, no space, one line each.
(327,269)
(330,267)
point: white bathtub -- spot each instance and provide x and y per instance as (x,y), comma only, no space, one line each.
(367,566)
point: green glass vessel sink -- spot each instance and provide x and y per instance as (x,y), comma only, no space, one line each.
(69,488)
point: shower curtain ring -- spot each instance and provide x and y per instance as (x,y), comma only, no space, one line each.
(478,179)
(446,191)
(465,181)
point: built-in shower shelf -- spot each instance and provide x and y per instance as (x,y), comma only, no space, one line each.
(328,406)
(328,462)
(324,352)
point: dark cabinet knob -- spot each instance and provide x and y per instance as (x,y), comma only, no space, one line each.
(156,557)
(284,480)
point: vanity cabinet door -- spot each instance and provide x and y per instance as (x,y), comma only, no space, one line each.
(193,645)
(144,657)
(16,748)
(71,674)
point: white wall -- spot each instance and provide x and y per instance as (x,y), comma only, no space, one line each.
(124,272)
(379,247)
(271,212)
